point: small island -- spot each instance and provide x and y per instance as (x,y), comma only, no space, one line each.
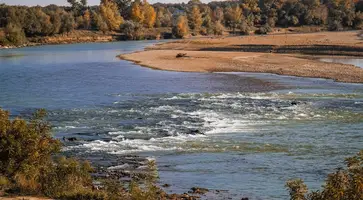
(278,53)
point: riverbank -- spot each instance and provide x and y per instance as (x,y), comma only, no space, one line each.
(89,36)
(277,53)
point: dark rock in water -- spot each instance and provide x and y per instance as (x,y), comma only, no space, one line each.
(244,198)
(197,190)
(195,132)
(294,103)
(140,118)
(166,185)
(71,139)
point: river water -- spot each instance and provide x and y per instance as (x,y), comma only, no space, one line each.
(259,129)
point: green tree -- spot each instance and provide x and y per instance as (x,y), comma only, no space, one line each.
(132,30)
(68,22)
(98,22)
(37,23)
(14,34)
(123,6)
(208,24)
(233,16)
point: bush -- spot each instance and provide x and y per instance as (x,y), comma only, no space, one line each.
(245,28)
(358,21)
(218,28)
(341,185)
(263,30)
(27,164)
(335,25)
(132,30)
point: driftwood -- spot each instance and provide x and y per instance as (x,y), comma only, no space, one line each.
(181,55)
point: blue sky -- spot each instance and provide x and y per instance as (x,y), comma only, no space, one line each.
(64,2)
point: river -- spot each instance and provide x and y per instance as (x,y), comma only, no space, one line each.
(259,129)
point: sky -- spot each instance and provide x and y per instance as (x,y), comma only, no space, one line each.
(64,2)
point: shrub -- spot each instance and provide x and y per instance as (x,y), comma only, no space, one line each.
(358,21)
(263,30)
(341,185)
(218,28)
(245,28)
(27,164)
(335,25)
(132,30)
(65,175)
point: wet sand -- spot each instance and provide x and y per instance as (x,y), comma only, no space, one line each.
(278,54)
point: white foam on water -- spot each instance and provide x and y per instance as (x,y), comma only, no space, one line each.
(171,143)
(118,167)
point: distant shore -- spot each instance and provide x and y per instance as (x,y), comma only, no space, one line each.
(283,54)
(88,36)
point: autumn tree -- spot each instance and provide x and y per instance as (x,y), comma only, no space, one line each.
(180,28)
(87,19)
(233,17)
(195,19)
(252,11)
(149,15)
(110,14)
(218,28)
(137,14)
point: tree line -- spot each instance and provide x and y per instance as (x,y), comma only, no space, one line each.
(132,17)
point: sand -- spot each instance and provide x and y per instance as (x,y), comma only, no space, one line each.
(226,55)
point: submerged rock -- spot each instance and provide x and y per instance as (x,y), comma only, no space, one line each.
(198,190)
(166,185)
(70,139)
(195,132)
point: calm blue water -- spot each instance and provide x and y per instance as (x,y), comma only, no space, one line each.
(260,129)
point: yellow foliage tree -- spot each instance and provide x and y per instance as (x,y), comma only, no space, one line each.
(149,15)
(181,29)
(87,19)
(137,14)
(110,14)
(195,19)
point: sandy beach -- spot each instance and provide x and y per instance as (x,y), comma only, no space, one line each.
(283,54)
